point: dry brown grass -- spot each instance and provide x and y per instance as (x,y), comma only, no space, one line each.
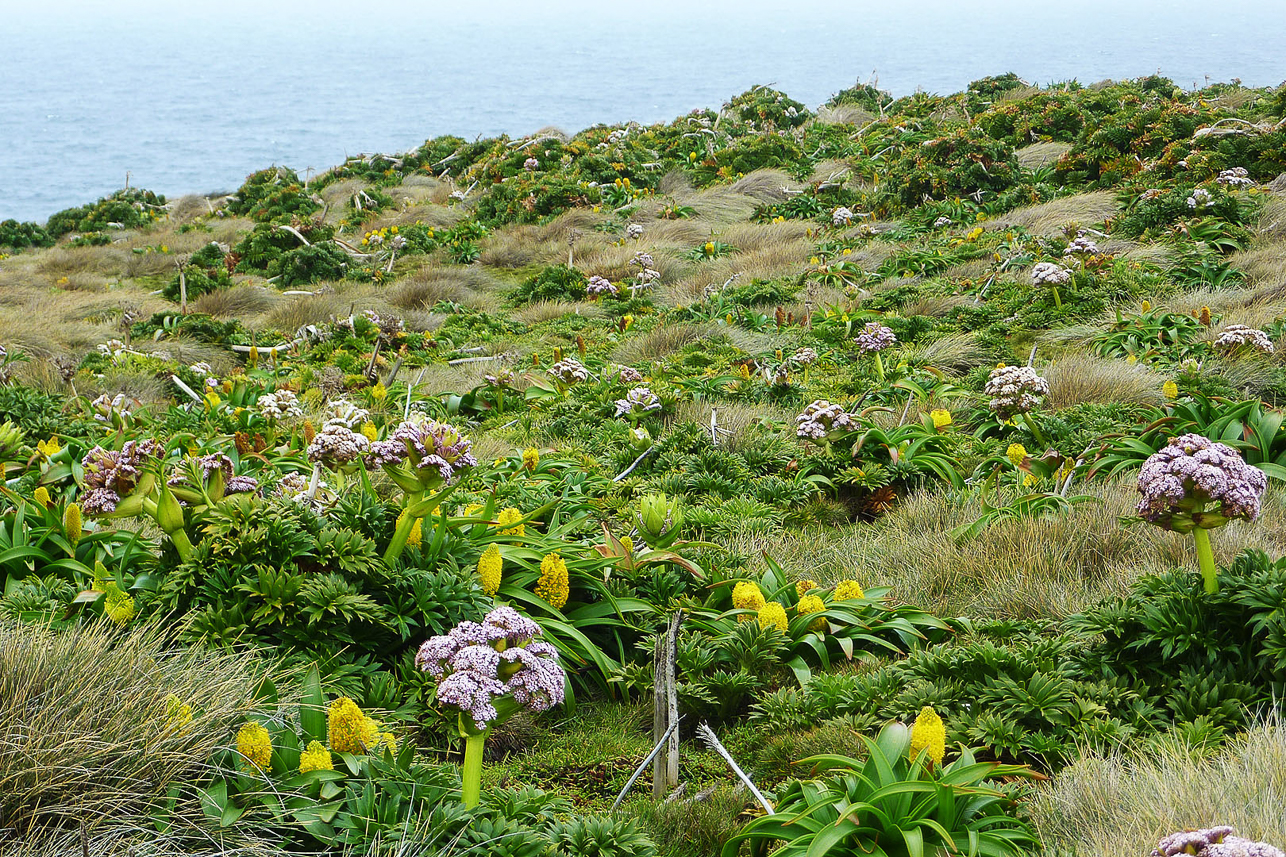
(1121,805)
(46,322)
(1264,262)
(1255,306)
(772,252)
(83,733)
(766,186)
(1040,155)
(955,353)
(660,341)
(542,311)
(1083,378)
(1045,568)
(546,244)
(472,286)
(844,114)
(1272,219)
(1051,217)
(237,301)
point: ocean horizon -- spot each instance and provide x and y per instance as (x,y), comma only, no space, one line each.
(192,99)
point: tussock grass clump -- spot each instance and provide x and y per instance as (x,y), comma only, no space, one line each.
(1040,155)
(1021,568)
(843,114)
(84,735)
(426,287)
(542,311)
(1083,378)
(663,340)
(236,302)
(1121,805)
(1050,217)
(766,186)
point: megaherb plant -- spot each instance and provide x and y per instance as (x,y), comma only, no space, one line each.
(900,801)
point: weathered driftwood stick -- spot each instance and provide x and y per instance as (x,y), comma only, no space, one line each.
(707,735)
(406,415)
(265,349)
(672,698)
(295,232)
(460,361)
(630,469)
(185,388)
(643,766)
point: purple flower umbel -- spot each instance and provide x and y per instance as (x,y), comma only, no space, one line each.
(1193,482)
(479,663)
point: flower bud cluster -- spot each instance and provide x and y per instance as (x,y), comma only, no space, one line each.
(1194,482)
(1220,841)
(1048,273)
(821,418)
(1015,390)
(638,402)
(111,476)
(1235,336)
(477,663)
(875,337)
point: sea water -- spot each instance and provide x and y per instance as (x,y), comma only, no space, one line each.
(191,95)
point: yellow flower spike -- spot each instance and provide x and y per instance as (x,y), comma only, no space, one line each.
(553,585)
(1170,390)
(212,400)
(812,604)
(1131,359)
(804,585)
(814,261)
(629,321)
(177,712)
(347,725)
(508,519)
(628,544)
(847,590)
(941,418)
(1147,306)
(490,567)
(310,431)
(929,735)
(371,734)
(416,537)
(118,605)
(1016,453)
(255,745)
(379,392)
(746,596)
(49,448)
(315,756)
(708,248)
(72,526)
(41,496)
(531,458)
(772,615)
(369,431)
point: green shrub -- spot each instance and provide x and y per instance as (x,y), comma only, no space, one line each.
(129,208)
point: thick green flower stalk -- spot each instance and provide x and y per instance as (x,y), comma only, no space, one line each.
(421,456)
